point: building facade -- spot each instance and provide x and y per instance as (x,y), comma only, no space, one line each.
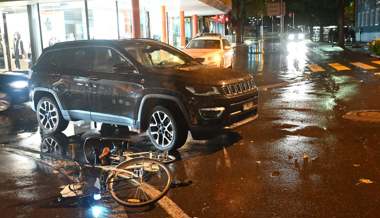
(367,20)
(27,27)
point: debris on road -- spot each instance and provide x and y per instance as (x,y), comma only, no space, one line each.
(315,160)
(296,164)
(275,173)
(305,160)
(178,183)
(364,181)
(356,165)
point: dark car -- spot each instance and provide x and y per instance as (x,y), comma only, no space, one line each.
(140,83)
(14,89)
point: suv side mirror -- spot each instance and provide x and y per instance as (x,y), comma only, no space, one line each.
(124,68)
(227,47)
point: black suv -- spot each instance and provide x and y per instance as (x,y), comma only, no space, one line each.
(140,83)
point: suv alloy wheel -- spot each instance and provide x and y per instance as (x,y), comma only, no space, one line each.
(5,102)
(166,131)
(49,116)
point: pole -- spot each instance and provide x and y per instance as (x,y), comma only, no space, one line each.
(293,19)
(281,17)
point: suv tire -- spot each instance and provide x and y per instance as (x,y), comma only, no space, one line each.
(49,116)
(166,130)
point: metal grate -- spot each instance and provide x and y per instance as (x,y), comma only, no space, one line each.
(239,88)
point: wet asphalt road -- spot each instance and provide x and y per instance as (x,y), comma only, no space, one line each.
(299,159)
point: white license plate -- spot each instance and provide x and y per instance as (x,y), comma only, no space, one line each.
(248,106)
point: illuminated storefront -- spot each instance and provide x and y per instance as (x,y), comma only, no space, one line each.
(27,27)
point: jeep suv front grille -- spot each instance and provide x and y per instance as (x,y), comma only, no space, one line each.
(239,88)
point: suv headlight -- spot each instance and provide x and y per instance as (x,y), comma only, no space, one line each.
(203,91)
(215,58)
(291,36)
(19,84)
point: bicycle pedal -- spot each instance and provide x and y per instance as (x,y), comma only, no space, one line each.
(178,183)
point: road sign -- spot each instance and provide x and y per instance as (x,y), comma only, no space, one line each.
(274,8)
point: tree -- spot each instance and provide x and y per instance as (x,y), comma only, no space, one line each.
(241,11)
(341,22)
(342,6)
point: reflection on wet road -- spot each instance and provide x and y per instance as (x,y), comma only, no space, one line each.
(299,159)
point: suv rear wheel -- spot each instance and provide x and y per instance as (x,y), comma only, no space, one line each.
(49,116)
(166,130)
(5,102)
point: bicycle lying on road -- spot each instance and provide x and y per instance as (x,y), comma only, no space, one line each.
(133,179)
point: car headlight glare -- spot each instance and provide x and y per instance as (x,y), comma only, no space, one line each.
(204,91)
(301,36)
(291,36)
(19,84)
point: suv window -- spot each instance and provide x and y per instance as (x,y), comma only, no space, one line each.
(204,43)
(76,59)
(48,62)
(157,56)
(106,59)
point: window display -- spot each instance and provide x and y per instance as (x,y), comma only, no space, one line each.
(125,18)
(64,21)
(102,19)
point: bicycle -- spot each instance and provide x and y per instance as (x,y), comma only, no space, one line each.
(123,151)
(132,180)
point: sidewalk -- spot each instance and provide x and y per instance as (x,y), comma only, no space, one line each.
(361,47)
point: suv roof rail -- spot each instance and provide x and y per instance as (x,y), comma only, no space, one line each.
(208,34)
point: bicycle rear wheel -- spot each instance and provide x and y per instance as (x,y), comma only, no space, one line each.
(139,182)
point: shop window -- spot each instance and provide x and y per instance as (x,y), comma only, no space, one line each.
(367,18)
(2,47)
(188,29)
(125,18)
(173,30)
(372,17)
(102,19)
(377,17)
(151,19)
(64,21)
(19,41)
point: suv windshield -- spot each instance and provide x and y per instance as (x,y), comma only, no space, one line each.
(155,55)
(204,43)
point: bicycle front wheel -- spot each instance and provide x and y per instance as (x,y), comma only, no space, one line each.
(139,182)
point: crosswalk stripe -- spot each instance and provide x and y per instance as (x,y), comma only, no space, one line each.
(363,66)
(339,67)
(315,68)
(376,62)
